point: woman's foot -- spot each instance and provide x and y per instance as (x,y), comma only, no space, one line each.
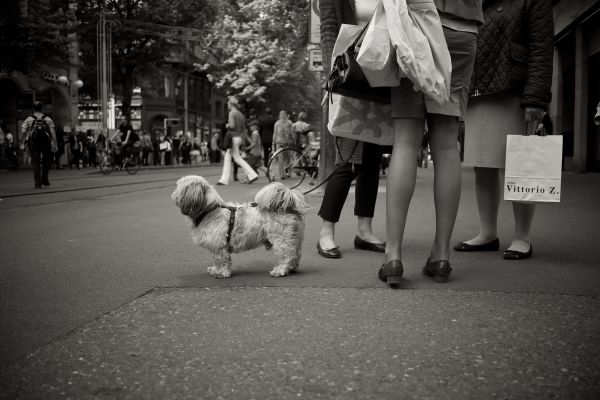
(327,248)
(391,273)
(438,270)
(477,244)
(362,244)
(518,250)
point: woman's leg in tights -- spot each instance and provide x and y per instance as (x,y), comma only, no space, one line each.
(487,194)
(401,178)
(447,181)
(367,186)
(523,219)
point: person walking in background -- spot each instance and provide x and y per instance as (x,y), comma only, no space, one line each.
(410,111)
(156,153)
(76,147)
(282,137)
(513,75)
(215,149)
(185,148)
(39,132)
(175,142)
(203,148)
(236,124)
(147,147)
(266,126)
(92,160)
(254,148)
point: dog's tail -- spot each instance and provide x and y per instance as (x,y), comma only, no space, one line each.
(275,197)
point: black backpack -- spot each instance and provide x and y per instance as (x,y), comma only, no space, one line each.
(40,133)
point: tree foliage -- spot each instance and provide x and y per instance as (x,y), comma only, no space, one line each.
(33,34)
(257,52)
(136,52)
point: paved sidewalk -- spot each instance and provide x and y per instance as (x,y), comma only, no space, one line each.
(497,329)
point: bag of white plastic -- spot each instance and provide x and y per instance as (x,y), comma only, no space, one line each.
(376,57)
(422,54)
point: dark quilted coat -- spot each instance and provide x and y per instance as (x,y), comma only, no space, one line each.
(514,50)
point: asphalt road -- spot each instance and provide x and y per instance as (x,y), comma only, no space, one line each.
(91,268)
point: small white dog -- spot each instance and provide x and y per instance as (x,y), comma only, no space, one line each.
(275,221)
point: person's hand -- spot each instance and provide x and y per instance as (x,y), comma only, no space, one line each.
(533,117)
(53,147)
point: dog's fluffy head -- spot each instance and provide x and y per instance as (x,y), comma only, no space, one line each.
(194,194)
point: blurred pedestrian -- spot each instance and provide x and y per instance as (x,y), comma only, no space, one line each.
(175,142)
(185,148)
(155,148)
(254,148)
(204,151)
(266,126)
(92,160)
(283,136)
(236,125)
(215,148)
(147,147)
(39,132)
(513,76)
(75,146)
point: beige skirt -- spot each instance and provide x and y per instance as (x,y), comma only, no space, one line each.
(489,120)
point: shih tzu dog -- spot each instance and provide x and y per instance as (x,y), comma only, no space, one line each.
(275,220)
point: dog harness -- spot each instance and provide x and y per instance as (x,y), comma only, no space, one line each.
(232,211)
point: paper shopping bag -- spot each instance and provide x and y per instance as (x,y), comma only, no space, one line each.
(533,168)
(361,120)
(376,56)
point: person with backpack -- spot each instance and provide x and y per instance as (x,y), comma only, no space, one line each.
(39,133)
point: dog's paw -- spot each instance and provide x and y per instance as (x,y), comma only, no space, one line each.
(278,272)
(219,272)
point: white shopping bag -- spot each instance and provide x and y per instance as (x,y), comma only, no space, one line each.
(421,50)
(533,168)
(376,57)
(361,120)
(344,39)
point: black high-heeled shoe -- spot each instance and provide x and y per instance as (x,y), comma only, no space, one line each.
(391,273)
(438,270)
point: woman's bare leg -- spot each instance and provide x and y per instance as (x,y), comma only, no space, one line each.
(400,182)
(447,181)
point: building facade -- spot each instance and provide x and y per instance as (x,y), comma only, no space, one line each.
(576,82)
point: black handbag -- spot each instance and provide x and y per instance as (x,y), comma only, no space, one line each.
(226,144)
(347,78)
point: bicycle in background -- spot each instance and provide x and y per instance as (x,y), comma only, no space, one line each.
(130,161)
(300,162)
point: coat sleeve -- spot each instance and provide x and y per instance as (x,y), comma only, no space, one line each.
(540,56)
(329,31)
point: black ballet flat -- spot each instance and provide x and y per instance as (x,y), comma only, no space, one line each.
(438,270)
(362,244)
(494,245)
(391,273)
(329,253)
(517,255)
